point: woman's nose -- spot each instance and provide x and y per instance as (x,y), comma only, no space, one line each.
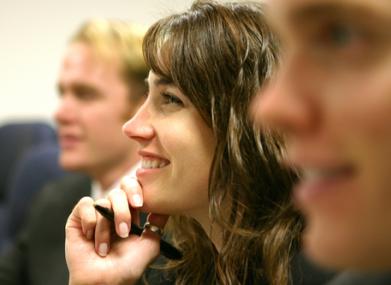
(140,127)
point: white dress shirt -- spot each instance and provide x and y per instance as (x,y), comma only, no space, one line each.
(96,189)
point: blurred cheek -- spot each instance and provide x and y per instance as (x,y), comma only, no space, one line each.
(255,109)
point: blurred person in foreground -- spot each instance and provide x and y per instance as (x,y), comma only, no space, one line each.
(331,99)
(101,85)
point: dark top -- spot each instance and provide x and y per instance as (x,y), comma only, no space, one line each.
(38,257)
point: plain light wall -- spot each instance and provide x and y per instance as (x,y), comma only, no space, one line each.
(33,37)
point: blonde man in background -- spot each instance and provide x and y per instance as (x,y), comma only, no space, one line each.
(101,85)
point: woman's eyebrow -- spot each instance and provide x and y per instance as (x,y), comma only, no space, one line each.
(158,82)
(162,81)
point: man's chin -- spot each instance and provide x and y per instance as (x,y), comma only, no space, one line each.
(71,164)
(328,249)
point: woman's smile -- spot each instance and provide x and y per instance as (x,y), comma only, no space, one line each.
(150,164)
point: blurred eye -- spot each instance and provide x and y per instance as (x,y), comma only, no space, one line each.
(337,39)
(341,37)
(342,43)
(85,93)
(170,99)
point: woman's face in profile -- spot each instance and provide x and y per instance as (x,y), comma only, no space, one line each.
(176,148)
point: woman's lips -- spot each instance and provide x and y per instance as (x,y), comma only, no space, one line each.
(150,165)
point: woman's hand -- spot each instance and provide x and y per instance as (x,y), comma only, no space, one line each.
(98,253)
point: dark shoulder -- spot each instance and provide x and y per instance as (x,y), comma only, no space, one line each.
(59,196)
(305,272)
(69,188)
(357,278)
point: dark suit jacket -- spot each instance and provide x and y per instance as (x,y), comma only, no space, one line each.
(38,256)
(356,278)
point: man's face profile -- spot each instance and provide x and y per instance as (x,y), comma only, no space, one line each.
(332,100)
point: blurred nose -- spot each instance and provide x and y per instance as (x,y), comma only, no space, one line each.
(66,111)
(284,104)
(139,127)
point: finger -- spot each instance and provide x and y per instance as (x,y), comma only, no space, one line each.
(102,230)
(122,216)
(133,190)
(86,212)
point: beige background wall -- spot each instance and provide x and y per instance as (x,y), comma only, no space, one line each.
(33,34)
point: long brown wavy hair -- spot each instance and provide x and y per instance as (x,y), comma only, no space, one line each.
(219,55)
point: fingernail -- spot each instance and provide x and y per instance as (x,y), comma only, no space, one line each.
(137,201)
(103,249)
(123,230)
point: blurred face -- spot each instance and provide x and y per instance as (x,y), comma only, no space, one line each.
(93,105)
(176,149)
(332,100)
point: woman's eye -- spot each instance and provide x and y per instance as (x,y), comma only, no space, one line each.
(171,99)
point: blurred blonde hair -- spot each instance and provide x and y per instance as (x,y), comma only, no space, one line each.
(117,40)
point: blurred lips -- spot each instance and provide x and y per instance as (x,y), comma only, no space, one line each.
(319,183)
(68,141)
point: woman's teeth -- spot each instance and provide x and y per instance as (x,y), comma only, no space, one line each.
(153,163)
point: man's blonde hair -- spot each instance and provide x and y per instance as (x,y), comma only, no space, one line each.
(116,40)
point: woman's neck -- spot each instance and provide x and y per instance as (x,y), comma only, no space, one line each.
(212,229)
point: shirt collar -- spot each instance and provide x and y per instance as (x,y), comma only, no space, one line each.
(96,189)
